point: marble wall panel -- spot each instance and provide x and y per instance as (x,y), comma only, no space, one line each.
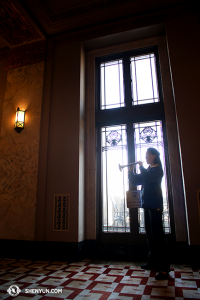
(19,153)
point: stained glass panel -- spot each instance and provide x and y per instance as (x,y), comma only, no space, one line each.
(114,183)
(150,134)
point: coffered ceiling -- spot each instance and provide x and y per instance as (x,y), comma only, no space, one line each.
(16,26)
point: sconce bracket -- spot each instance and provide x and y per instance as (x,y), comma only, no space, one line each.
(18,129)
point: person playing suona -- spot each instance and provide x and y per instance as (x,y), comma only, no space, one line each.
(152,202)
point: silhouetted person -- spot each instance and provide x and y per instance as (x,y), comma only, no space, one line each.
(152,202)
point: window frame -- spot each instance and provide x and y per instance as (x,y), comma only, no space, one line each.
(129,114)
(129,111)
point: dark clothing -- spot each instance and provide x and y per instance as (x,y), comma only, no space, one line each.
(152,202)
(158,247)
(150,179)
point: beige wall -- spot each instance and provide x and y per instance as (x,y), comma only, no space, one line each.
(184,48)
(19,153)
(64,156)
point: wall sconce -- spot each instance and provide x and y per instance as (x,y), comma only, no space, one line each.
(19,120)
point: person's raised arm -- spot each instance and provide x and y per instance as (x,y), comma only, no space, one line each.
(134,179)
(153,176)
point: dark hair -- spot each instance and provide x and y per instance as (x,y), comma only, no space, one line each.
(157,160)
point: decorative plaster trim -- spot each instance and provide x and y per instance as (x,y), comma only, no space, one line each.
(27,54)
(4,53)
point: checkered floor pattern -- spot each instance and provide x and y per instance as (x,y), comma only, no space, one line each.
(93,280)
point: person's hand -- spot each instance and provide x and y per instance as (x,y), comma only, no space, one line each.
(140,163)
(130,168)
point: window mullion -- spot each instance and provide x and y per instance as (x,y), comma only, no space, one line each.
(127,80)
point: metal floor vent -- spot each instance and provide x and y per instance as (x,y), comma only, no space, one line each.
(61,212)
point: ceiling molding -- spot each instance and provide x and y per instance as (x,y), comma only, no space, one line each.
(87,8)
(121,24)
(56,20)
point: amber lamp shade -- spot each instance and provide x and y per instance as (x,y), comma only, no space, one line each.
(19,120)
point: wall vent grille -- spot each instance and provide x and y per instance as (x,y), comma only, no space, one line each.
(61,212)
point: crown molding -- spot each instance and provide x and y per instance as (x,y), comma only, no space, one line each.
(121,24)
(55,20)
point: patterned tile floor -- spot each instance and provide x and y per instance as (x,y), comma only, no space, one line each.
(94,280)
